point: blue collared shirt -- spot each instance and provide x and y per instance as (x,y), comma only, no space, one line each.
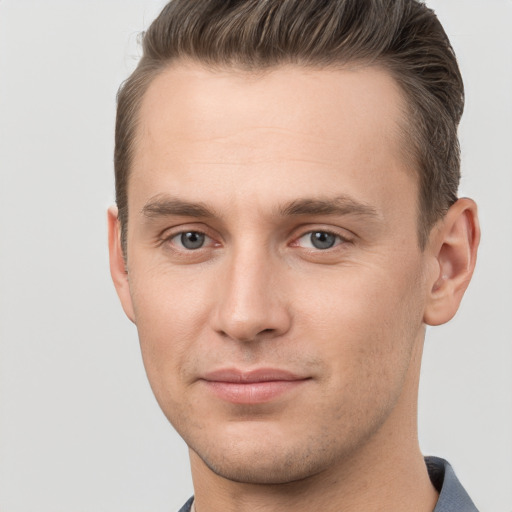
(452,496)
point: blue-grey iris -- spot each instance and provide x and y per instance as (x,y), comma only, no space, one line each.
(322,240)
(192,240)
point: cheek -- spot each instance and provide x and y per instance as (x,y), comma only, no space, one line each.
(170,302)
(365,322)
(366,333)
(171,314)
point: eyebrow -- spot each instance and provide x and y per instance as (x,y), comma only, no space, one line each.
(340,205)
(164,206)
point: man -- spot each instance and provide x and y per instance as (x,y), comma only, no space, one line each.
(287,224)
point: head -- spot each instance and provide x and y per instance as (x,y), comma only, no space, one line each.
(286,178)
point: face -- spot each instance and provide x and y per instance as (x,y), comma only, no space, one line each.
(274,271)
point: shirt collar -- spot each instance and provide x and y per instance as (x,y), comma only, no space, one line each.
(452,496)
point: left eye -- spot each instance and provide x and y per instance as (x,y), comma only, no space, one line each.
(190,240)
(319,240)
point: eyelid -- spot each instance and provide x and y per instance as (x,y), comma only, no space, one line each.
(169,233)
(175,239)
(337,239)
(344,235)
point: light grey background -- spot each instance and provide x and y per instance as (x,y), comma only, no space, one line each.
(79,427)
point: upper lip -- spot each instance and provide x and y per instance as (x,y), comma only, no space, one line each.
(248,376)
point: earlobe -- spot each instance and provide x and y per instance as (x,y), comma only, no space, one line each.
(454,247)
(117,263)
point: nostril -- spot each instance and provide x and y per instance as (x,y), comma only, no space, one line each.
(245,337)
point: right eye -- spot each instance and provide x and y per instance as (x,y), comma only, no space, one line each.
(190,240)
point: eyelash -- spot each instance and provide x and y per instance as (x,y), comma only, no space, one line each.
(338,240)
(190,231)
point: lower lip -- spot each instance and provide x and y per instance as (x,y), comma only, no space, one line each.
(252,392)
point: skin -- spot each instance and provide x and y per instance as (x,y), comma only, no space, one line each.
(256,163)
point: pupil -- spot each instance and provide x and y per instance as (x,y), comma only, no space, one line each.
(192,240)
(322,240)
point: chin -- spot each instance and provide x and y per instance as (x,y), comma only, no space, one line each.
(268,458)
(263,467)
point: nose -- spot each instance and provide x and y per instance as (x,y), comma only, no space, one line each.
(251,301)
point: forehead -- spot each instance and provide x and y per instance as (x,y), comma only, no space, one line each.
(189,99)
(201,130)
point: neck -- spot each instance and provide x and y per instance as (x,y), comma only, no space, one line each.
(387,474)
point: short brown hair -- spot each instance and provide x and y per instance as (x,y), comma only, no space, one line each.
(403,36)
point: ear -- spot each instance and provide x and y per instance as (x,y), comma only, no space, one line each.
(453,245)
(117,263)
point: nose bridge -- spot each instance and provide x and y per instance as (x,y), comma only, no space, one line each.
(250,304)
